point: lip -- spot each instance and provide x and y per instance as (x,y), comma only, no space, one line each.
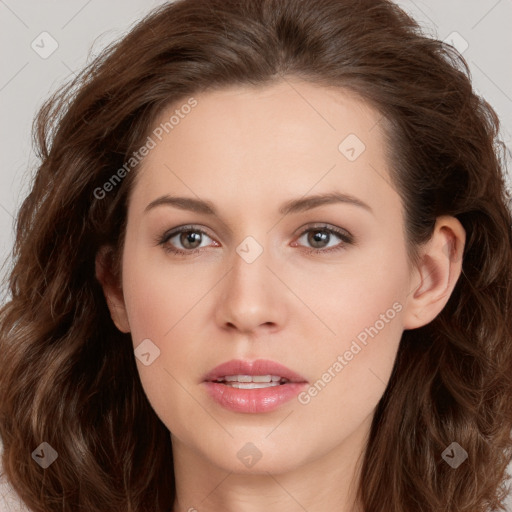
(253,400)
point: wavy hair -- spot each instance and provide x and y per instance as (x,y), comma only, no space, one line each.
(68,376)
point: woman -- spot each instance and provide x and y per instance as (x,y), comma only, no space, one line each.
(265,264)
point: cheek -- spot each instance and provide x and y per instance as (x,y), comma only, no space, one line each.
(158,301)
(160,294)
(366,290)
(164,304)
(361,308)
(367,305)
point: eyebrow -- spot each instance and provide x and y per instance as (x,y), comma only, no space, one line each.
(292,206)
(309,202)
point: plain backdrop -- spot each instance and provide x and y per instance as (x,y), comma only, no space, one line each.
(78,29)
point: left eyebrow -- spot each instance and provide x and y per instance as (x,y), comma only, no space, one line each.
(309,202)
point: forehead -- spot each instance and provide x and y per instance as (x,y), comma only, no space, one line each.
(288,136)
(291,110)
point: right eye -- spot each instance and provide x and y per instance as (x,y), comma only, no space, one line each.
(189,237)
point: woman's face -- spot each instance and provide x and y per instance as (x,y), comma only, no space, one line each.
(293,254)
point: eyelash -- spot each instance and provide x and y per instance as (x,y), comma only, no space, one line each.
(346,239)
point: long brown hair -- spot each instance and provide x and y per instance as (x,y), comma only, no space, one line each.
(68,376)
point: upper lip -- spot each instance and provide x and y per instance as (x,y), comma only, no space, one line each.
(257,367)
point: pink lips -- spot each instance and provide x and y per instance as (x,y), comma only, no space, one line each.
(264,399)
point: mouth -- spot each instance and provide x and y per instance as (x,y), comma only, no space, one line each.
(253,386)
(252,381)
(252,374)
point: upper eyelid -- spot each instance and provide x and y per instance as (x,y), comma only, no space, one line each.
(322,225)
(180,229)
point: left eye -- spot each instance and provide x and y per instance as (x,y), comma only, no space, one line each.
(318,239)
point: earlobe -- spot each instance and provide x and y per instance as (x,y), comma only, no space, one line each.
(111,288)
(436,274)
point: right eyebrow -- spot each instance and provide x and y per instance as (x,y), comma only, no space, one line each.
(184,203)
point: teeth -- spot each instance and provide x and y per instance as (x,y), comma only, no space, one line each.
(253,378)
(253,385)
(262,378)
(239,378)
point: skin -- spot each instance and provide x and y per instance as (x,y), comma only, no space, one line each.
(247,151)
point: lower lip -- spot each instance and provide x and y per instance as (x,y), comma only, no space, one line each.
(253,400)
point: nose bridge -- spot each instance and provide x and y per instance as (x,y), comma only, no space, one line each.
(251,250)
(249,297)
(249,270)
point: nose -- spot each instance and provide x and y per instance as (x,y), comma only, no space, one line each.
(252,299)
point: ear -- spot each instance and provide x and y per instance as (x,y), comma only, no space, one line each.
(435,275)
(109,280)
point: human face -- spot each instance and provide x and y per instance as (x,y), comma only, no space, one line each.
(254,290)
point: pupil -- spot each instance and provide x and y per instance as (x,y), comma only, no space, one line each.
(318,237)
(189,238)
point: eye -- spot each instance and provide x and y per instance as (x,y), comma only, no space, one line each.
(187,240)
(320,237)
(184,240)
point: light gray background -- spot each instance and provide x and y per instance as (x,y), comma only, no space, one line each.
(78,26)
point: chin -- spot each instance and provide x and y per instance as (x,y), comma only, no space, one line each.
(257,459)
